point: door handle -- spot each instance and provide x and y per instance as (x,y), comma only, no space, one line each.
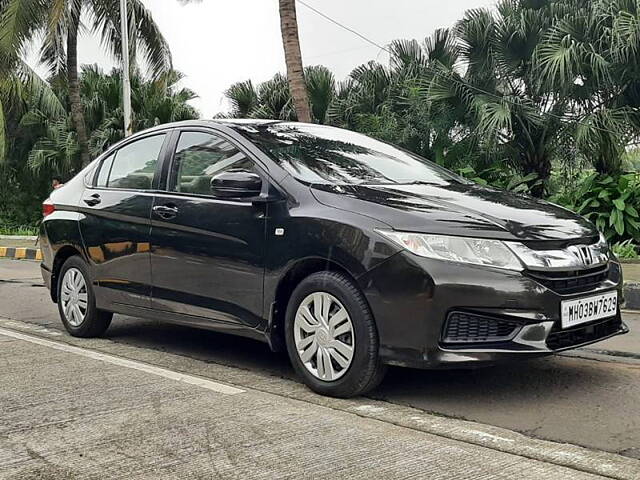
(165,211)
(92,200)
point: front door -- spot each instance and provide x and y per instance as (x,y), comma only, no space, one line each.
(207,254)
(116,223)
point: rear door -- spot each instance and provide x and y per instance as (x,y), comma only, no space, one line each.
(207,254)
(116,224)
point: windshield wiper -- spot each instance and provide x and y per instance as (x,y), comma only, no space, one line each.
(421,182)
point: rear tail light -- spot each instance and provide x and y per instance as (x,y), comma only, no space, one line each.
(48,207)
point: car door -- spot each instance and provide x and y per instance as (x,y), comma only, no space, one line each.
(207,253)
(116,224)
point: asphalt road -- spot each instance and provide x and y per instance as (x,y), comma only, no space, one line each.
(591,402)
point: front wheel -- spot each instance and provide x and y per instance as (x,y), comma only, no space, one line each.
(331,336)
(77,303)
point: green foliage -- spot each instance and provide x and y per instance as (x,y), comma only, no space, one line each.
(503,178)
(13,229)
(631,160)
(43,144)
(626,250)
(611,202)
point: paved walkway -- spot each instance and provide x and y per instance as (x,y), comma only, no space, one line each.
(73,412)
(631,272)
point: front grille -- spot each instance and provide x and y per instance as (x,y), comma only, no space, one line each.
(574,281)
(580,334)
(472,328)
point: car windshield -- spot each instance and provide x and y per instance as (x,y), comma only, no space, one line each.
(321,154)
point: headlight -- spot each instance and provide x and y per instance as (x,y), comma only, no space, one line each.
(475,251)
(496,253)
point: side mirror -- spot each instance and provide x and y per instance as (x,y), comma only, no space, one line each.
(239,184)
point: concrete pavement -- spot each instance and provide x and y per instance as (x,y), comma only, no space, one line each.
(72,412)
(574,400)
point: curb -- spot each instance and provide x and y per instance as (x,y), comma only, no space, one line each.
(21,253)
(632,295)
(19,237)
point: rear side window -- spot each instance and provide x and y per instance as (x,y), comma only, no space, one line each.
(133,166)
(199,157)
(103,175)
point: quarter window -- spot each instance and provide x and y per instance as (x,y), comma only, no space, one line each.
(201,156)
(103,175)
(133,166)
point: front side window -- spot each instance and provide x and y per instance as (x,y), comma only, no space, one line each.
(199,157)
(321,154)
(133,166)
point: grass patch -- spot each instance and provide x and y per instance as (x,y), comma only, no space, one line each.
(18,230)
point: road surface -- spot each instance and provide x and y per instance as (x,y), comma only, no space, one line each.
(589,400)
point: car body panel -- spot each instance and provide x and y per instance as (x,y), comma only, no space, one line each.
(116,228)
(459,209)
(219,249)
(116,240)
(412,296)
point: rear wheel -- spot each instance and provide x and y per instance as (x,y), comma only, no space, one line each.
(331,336)
(76,301)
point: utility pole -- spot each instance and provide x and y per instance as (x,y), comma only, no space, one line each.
(126,83)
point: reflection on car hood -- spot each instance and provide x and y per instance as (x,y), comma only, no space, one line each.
(458,209)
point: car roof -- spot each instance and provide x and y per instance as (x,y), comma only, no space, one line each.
(239,125)
(225,122)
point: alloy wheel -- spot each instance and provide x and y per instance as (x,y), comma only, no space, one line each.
(73,295)
(324,336)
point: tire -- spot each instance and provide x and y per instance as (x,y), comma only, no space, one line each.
(87,321)
(333,291)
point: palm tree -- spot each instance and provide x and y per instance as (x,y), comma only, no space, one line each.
(59,23)
(272,99)
(495,84)
(21,89)
(155,101)
(293,59)
(590,56)
(295,71)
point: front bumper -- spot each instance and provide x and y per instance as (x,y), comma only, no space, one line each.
(411,298)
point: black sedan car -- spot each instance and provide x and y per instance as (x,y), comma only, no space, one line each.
(349,252)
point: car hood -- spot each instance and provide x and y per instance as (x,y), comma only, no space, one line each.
(458,209)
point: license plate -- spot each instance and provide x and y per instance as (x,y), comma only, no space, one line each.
(583,310)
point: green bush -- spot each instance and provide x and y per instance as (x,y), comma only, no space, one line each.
(8,229)
(503,178)
(612,203)
(626,250)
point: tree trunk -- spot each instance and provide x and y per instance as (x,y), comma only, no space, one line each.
(293,58)
(77,114)
(541,165)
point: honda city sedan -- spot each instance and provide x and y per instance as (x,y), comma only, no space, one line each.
(348,252)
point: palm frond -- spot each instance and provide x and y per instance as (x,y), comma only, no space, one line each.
(144,33)
(40,93)
(243,98)
(321,86)
(19,20)
(441,47)
(406,55)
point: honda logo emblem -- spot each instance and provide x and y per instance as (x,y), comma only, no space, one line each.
(584,253)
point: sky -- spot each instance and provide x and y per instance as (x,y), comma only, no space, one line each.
(216,43)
